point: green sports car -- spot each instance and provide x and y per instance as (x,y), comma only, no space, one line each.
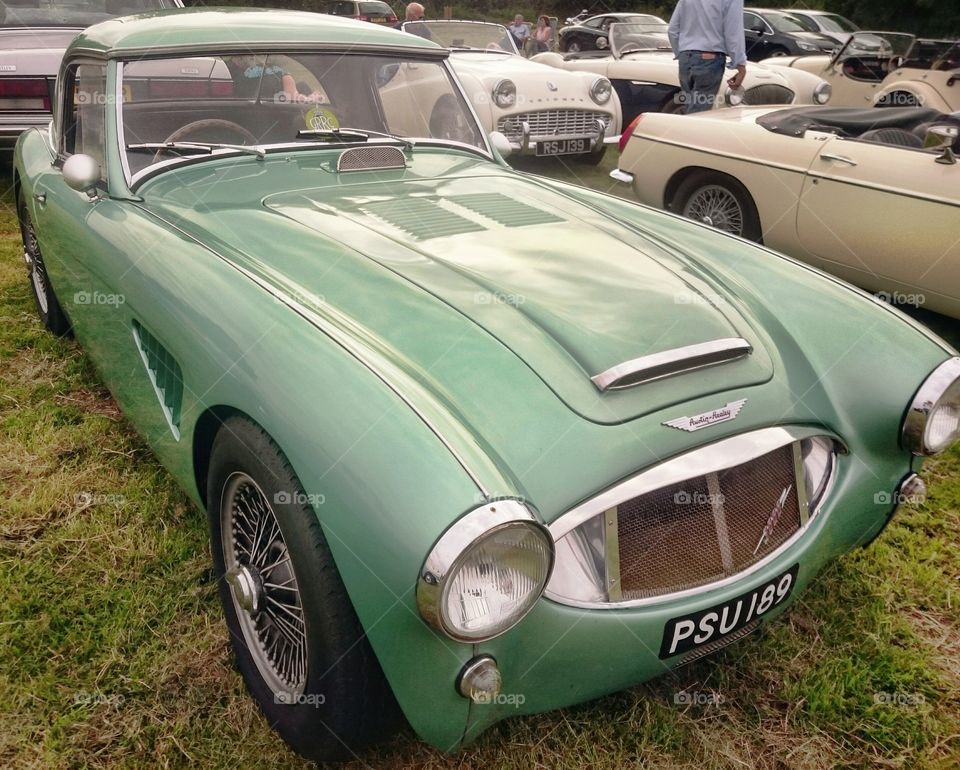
(472,443)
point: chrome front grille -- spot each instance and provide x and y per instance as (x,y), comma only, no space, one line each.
(707,528)
(553,123)
(709,517)
(768,93)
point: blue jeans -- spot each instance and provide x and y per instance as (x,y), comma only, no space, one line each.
(700,79)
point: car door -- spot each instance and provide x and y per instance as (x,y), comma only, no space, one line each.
(756,42)
(884,217)
(98,248)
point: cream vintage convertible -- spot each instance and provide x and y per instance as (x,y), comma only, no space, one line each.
(903,71)
(869,194)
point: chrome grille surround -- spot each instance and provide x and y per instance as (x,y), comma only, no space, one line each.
(701,520)
(554,124)
(768,93)
(375,158)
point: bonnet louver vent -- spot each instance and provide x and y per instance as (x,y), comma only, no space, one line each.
(371,159)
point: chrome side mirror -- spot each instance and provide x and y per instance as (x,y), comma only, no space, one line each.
(945,136)
(82,173)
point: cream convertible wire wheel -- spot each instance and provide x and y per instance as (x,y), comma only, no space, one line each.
(719,201)
(296,639)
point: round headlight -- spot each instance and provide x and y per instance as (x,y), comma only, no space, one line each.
(600,90)
(933,421)
(486,572)
(505,93)
(822,93)
(733,97)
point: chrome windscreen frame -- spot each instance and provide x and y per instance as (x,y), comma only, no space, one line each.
(583,559)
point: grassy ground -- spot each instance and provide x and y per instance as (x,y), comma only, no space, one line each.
(113,652)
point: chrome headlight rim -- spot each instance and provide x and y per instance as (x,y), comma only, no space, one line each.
(457,545)
(822,92)
(601,90)
(504,93)
(734,97)
(939,389)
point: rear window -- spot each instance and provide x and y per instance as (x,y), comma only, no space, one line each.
(375,9)
(360,9)
(72,13)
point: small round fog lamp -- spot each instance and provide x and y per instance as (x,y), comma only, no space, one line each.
(480,680)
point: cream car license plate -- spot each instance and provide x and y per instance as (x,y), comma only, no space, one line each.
(688,632)
(563,147)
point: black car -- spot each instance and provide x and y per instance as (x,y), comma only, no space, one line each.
(777,33)
(593,34)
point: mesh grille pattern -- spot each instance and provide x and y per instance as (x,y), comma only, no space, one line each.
(552,124)
(706,528)
(370,158)
(768,93)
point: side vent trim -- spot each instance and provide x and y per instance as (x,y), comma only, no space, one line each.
(165,375)
(376,158)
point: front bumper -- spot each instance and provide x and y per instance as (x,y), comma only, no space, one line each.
(525,131)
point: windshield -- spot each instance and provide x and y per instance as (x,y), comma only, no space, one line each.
(890,46)
(630,38)
(475,35)
(79,13)
(275,99)
(833,23)
(781,22)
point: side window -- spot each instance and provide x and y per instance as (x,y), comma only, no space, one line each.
(84,121)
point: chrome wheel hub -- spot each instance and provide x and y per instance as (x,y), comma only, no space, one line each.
(715,206)
(263,587)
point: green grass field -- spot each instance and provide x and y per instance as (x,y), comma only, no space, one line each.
(113,652)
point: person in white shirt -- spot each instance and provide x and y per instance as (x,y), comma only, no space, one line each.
(703,35)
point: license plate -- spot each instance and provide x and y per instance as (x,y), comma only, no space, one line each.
(688,632)
(563,147)
(378,19)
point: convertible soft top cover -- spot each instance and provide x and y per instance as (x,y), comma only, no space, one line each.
(848,121)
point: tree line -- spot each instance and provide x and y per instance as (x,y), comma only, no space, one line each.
(932,18)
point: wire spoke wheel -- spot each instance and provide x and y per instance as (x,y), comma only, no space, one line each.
(264,587)
(716,206)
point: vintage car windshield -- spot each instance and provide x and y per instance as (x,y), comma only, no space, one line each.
(78,13)
(888,44)
(276,99)
(629,38)
(466,34)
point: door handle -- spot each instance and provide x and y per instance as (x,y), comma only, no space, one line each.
(838,158)
(40,198)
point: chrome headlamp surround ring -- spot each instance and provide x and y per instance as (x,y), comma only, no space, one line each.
(504,93)
(822,92)
(943,381)
(601,90)
(454,546)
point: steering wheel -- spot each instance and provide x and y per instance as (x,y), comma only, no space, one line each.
(447,122)
(199,125)
(630,47)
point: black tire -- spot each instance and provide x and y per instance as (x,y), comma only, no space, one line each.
(777,50)
(673,104)
(44,298)
(344,702)
(720,201)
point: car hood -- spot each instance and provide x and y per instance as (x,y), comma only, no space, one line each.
(493,67)
(567,290)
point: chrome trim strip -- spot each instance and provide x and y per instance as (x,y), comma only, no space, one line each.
(611,546)
(118,120)
(800,481)
(934,387)
(669,362)
(699,462)
(720,521)
(447,551)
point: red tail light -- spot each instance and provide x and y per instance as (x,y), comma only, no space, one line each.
(24,94)
(628,131)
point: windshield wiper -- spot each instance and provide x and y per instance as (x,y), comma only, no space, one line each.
(350,135)
(199,147)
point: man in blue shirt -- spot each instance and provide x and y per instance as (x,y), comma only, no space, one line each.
(703,34)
